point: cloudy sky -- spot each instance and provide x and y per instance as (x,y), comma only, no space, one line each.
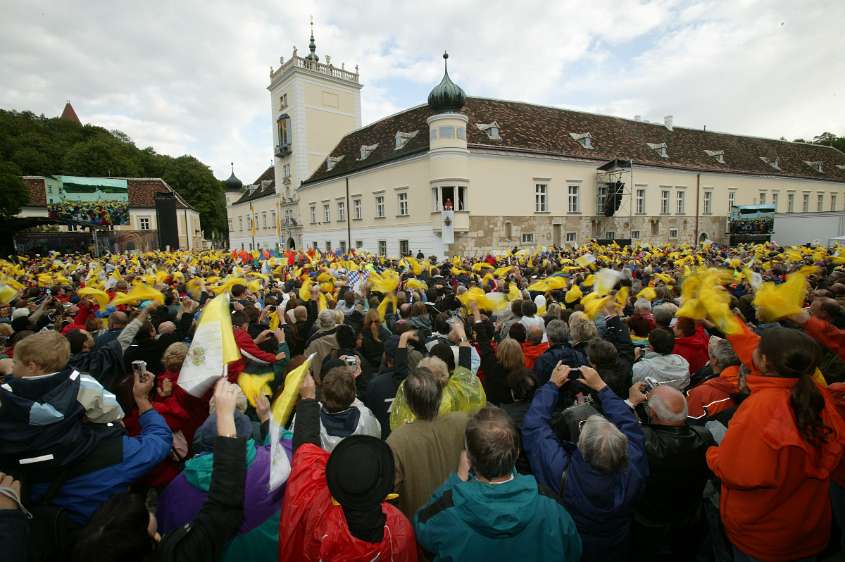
(191,76)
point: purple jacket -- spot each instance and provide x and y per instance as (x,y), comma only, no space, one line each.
(180,501)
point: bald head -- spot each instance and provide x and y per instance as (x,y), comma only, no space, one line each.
(668,406)
(535,335)
(118,320)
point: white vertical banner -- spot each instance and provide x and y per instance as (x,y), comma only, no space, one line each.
(448,219)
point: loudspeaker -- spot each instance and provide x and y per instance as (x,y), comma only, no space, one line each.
(168,231)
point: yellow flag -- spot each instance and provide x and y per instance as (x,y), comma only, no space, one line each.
(101,297)
(137,294)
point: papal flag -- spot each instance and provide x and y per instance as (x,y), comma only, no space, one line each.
(279,414)
(212,348)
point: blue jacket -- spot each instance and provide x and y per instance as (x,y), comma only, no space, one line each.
(515,520)
(83,495)
(545,364)
(601,504)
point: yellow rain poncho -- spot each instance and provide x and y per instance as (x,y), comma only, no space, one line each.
(463,393)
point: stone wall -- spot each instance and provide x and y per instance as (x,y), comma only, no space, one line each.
(494,234)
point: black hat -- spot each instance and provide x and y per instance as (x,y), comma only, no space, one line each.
(360,472)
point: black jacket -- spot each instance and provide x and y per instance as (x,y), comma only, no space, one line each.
(205,537)
(545,364)
(677,475)
(382,390)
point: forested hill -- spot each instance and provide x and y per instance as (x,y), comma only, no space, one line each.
(38,145)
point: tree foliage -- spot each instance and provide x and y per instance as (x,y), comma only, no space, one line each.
(13,192)
(37,145)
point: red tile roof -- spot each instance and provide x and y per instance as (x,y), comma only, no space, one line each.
(68,114)
(37,191)
(546,130)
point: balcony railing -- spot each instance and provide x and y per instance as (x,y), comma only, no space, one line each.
(319,67)
(282,150)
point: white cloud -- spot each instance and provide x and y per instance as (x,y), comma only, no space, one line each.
(191,77)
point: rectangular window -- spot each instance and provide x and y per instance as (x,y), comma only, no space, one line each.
(762,197)
(313,214)
(820,202)
(314,245)
(641,201)
(664,202)
(571,237)
(273,218)
(230,224)
(635,235)
(263,219)
(731,200)
(540,202)
(447,132)
(403,204)
(655,228)
(241,224)
(382,248)
(283,101)
(832,201)
(610,235)
(380,206)
(343,246)
(286,170)
(527,237)
(790,202)
(673,233)
(284,129)
(357,210)
(359,244)
(404,248)
(805,204)
(144,223)
(679,200)
(327,213)
(574,200)
(775,199)
(450,197)
(708,202)
(341,211)
(328,245)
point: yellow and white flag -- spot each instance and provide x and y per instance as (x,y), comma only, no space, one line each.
(212,348)
(279,414)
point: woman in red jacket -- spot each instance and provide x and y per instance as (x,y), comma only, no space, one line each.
(776,459)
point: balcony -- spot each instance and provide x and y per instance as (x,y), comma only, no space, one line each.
(282,150)
(460,222)
(321,68)
(286,180)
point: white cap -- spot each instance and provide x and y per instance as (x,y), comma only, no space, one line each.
(20,313)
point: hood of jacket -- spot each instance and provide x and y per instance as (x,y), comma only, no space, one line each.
(779,429)
(497,510)
(663,367)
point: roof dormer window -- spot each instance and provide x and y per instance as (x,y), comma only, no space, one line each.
(773,163)
(584,139)
(366,150)
(490,129)
(403,138)
(717,155)
(660,148)
(332,161)
(817,165)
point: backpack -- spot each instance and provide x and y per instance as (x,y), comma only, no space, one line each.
(567,423)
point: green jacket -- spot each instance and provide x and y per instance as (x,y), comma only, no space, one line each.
(469,521)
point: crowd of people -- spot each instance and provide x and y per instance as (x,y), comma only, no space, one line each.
(596,403)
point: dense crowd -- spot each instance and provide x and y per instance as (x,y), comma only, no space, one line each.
(598,403)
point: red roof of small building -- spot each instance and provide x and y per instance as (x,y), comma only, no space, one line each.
(141,192)
(68,114)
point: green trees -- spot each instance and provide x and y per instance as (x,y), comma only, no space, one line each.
(37,145)
(13,193)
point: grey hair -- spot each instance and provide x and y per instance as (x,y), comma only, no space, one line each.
(326,319)
(557,332)
(535,335)
(423,393)
(603,445)
(664,411)
(664,312)
(722,354)
(642,304)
